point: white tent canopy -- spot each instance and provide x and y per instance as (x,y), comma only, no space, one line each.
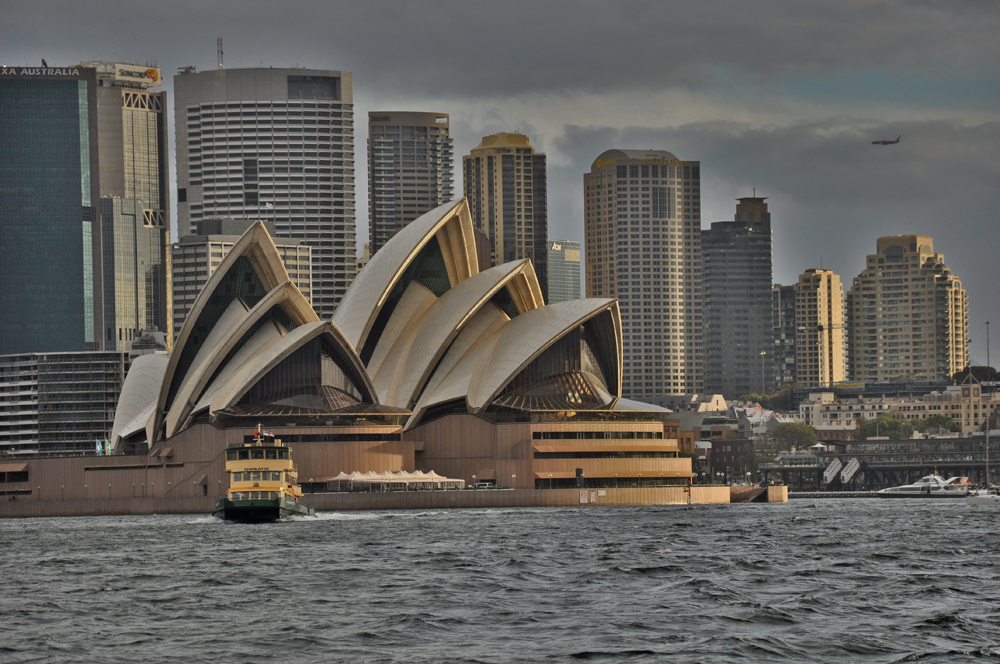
(417,479)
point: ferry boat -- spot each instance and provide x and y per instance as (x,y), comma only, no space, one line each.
(932,486)
(262,484)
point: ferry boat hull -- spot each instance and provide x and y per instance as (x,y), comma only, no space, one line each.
(260,510)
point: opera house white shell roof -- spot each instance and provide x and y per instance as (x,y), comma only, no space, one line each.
(421,329)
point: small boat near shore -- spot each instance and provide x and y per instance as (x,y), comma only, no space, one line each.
(977,497)
(931,486)
(262,482)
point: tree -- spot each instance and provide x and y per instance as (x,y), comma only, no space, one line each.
(793,434)
(782,399)
(748,459)
(885,426)
(980,373)
(936,424)
(753,397)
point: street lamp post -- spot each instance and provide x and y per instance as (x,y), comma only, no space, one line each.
(763,354)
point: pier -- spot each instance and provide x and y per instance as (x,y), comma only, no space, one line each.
(831,494)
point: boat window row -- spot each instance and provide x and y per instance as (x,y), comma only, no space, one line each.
(255,495)
(261,476)
(261,453)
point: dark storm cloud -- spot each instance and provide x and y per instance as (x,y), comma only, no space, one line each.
(478,48)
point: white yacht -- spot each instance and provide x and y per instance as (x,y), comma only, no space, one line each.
(932,486)
(984,497)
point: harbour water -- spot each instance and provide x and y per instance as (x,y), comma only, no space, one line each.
(804,581)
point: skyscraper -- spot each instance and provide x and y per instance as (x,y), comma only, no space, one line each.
(784,331)
(505,182)
(642,237)
(564,271)
(907,314)
(736,282)
(135,220)
(819,320)
(83,207)
(273,144)
(50,227)
(411,169)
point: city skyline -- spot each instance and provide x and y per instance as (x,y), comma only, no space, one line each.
(792,119)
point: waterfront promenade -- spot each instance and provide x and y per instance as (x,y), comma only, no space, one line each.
(394,500)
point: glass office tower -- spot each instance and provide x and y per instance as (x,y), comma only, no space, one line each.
(50,225)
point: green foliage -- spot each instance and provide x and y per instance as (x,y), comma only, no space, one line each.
(753,397)
(980,373)
(886,426)
(782,399)
(748,460)
(936,424)
(793,434)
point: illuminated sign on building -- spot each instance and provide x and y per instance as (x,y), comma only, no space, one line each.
(39,71)
(132,73)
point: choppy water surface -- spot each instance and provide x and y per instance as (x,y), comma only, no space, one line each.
(807,581)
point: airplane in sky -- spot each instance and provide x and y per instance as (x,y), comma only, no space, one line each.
(887,141)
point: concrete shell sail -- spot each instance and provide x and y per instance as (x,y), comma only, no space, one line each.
(138,396)
(587,332)
(250,270)
(274,316)
(403,362)
(312,368)
(436,251)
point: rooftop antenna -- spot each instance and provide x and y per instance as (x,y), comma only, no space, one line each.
(218,46)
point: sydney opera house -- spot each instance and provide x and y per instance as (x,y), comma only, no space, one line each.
(428,364)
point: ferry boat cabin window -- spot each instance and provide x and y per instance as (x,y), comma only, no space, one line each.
(231,455)
(256,454)
(272,454)
(283,455)
(256,477)
(244,454)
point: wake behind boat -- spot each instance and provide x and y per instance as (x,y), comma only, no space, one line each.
(932,486)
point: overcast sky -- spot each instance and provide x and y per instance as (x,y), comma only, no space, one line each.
(785,96)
